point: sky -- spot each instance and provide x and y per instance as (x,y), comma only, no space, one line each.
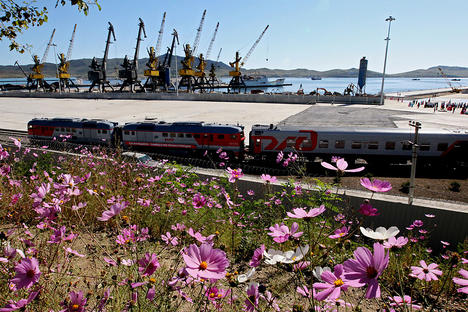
(312,34)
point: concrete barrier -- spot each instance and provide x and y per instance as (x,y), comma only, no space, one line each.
(207,97)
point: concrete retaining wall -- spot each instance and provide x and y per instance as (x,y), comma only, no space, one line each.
(451,222)
(214,97)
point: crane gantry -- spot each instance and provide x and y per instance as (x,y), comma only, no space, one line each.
(63,75)
(129,73)
(237,82)
(98,73)
(152,71)
(36,78)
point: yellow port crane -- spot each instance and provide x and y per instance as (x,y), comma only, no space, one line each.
(454,89)
(187,73)
(153,65)
(64,76)
(237,82)
(36,78)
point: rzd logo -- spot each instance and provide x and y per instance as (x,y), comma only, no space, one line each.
(298,141)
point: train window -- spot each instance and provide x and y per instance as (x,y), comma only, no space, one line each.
(62,129)
(165,134)
(257,132)
(196,136)
(373,145)
(104,131)
(211,137)
(389,145)
(68,130)
(406,146)
(156,136)
(126,132)
(79,132)
(442,147)
(180,135)
(425,146)
(188,135)
(356,145)
(323,144)
(172,135)
(74,130)
(291,143)
(99,131)
(339,144)
(133,132)
(221,136)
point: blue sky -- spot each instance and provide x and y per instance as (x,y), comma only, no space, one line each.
(313,34)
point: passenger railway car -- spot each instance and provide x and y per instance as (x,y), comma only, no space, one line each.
(382,145)
(184,136)
(88,131)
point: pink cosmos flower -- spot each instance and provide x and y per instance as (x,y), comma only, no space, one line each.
(205,262)
(366,209)
(148,264)
(169,239)
(366,268)
(376,185)
(418,223)
(59,236)
(395,243)
(17,142)
(198,201)
(200,238)
(76,304)
(252,297)
(462,281)
(268,178)
(20,304)
(235,174)
(406,301)
(304,291)
(339,233)
(257,257)
(279,157)
(27,273)
(426,272)
(114,210)
(333,284)
(282,233)
(341,166)
(300,213)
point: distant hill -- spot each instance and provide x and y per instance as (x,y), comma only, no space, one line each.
(79,68)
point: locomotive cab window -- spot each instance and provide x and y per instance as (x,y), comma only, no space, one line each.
(104,131)
(99,131)
(165,135)
(126,132)
(323,144)
(180,135)
(339,144)
(389,145)
(425,147)
(356,145)
(373,145)
(442,147)
(188,135)
(172,135)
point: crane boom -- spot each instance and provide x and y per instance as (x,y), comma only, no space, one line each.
(70,47)
(254,46)
(197,37)
(46,52)
(219,54)
(106,51)
(161,31)
(137,49)
(210,47)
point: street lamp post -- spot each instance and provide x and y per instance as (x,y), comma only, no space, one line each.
(56,68)
(389,20)
(416,125)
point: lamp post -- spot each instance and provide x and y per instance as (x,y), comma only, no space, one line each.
(56,69)
(389,20)
(416,125)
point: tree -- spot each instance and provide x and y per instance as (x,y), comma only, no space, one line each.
(17,16)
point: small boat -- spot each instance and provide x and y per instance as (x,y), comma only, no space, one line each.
(455,79)
(262,80)
(316,78)
(416,79)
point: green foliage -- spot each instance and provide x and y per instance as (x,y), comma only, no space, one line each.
(405,187)
(454,186)
(16,16)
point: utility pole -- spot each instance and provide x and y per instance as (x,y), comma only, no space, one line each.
(389,20)
(417,126)
(56,68)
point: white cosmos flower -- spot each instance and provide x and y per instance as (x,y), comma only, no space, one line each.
(318,270)
(380,233)
(273,256)
(242,278)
